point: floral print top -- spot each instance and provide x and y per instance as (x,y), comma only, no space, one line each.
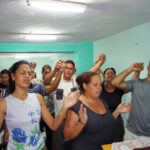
(22,120)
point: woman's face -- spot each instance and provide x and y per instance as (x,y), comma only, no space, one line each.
(23,76)
(109,75)
(94,87)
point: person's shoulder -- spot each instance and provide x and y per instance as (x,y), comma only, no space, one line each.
(39,96)
(139,80)
(34,94)
(76,106)
(133,81)
(36,81)
(119,90)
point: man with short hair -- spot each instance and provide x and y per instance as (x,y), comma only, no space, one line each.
(46,69)
(4,85)
(66,85)
(138,124)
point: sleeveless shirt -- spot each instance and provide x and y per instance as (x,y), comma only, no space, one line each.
(22,119)
(97,131)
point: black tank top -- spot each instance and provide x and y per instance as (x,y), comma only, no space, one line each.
(97,131)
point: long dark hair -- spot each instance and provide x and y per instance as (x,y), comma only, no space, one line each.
(12,70)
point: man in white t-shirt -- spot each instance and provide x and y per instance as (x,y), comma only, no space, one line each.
(66,85)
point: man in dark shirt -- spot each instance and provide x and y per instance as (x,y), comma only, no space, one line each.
(4,85)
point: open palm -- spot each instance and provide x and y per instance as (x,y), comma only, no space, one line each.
(69,100)
(124,108)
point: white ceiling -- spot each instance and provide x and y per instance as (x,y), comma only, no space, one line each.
(101,19)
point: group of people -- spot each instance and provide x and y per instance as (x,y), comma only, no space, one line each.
(86,110)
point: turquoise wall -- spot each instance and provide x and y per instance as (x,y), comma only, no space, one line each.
(125,48)
(84,56)
(35,47)
(80,52)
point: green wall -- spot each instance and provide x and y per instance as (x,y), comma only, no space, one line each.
(81,52)
(84,56)
(125,48)
(35,47)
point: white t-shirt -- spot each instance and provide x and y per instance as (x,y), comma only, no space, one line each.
(62,90)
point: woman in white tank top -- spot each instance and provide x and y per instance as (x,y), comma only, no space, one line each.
(22,111)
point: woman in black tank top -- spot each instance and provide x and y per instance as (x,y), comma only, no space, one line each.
(89,123)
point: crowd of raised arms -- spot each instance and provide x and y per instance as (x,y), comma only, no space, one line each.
(61,112)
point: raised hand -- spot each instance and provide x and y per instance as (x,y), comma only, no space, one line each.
(58,65)
(83,115)
(62,67)
(137,66)
(101,59)
(33,64)
(123,107)
(69,100)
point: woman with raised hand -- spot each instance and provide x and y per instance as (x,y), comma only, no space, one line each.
(22,111)
(89,123)
(111,95)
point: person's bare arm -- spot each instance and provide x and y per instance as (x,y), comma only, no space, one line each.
(53,85)
(6,133)
(3,109)
(122,108)
(49,77)
(74,123)
(54,123)
(59,67)
(119,80)
(98,63)
(136,74)
(52,74)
